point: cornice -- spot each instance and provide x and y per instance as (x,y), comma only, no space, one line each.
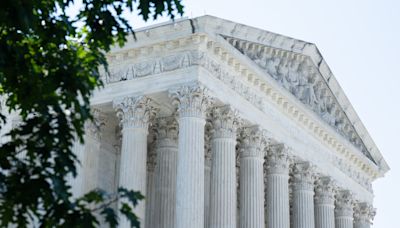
(221,61)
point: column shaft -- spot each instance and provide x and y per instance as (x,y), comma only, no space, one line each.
(223,177)
(303,196)
(192,102)
(223,184)
(134,113)
(278,214)
(344,210)
(252,179)
(190,173)
(133,167)
(324,203)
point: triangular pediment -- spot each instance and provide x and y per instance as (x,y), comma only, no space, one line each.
(297,74)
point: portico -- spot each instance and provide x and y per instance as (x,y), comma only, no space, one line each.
(285,147)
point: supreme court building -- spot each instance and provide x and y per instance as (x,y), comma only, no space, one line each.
(222,125)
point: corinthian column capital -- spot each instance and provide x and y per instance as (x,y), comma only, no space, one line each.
(325,189)
(364,213)
(344,204)
(303,176)
(253,142)
(192,100)
(134,112)
(278,159)
(93,127)
(225,122)
(166,130)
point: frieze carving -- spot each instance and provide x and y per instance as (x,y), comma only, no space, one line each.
(232,80)
(300,77)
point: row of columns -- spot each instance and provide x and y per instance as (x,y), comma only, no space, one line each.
(178,199)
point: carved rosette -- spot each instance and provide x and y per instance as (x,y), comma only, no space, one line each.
(278,159)
(225,122)
(166,130)
(135,112)
(253,142)
(93,128)
(325,189)
(344,204)
(303,177)
(192,100)
(364,213)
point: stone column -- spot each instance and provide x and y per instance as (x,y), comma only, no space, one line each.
(364,213)
(223,176)
(165,174)
(77,182)
(303,195)
(91,156)
(207,172)
(344,210)
(324,203)
(192,102)
(278,214)
(251,178)
(150,188)
(134,113)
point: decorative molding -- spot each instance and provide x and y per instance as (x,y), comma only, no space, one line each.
(298,75)
(238,78)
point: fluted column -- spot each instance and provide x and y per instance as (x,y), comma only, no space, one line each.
(223,176)
(150,188)
(364,213)
(207,173)
(303,195)
(251,178)
(278,187)
(91,156)
(165,173)
(77,182)
(134,113)
(192,102)
(344,210)
(324,203)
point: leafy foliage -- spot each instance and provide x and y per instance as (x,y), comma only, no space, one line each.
(49,65)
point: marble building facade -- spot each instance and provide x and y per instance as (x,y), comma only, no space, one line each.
(223,125)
